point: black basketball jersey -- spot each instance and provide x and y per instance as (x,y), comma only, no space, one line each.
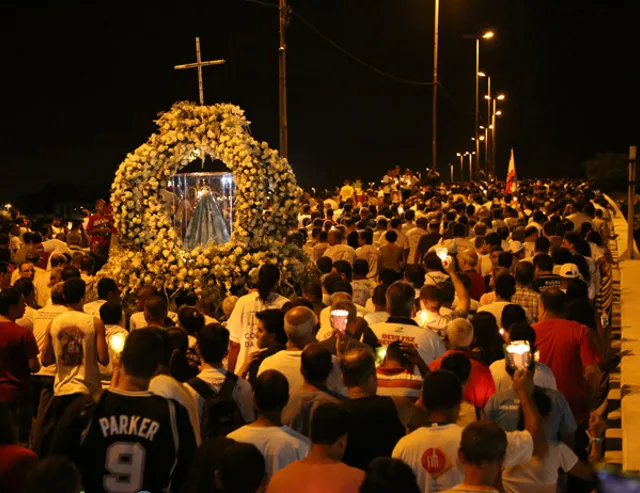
(136,441)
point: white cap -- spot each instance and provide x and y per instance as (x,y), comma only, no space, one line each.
(570,271)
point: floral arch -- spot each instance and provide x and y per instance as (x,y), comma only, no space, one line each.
(149,251)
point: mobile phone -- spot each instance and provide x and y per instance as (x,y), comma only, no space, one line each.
(339,320)
(518,355)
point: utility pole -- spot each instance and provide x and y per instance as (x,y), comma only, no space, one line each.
(434,113)
(476,133)
(487,148)
(282,80)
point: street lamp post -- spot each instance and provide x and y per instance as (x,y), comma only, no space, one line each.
(461,156)
(487,158)
(471,154)
(493,127)
(451,166)
(486,35)
(434,113)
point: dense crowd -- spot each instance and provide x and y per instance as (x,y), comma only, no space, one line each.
(457,339)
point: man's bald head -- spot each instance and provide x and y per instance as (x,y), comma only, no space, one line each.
(298,325)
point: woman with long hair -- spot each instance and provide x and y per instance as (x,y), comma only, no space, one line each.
(243,322)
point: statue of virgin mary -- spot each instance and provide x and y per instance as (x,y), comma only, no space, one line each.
(207,223)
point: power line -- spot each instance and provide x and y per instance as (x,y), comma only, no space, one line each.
(358,60)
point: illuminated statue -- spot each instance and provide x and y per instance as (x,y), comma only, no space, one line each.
(207,223)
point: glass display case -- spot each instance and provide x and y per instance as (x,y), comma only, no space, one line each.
(202,207)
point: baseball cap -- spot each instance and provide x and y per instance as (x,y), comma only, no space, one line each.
(570,271)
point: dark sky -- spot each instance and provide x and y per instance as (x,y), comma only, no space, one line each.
(81,85)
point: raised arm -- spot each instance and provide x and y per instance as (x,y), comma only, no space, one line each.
(464,302)
(523,385)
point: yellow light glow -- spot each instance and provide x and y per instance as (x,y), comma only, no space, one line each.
(116,341)
(486,96)
(458,154)
(481,74)
(481,137)
(481,127)
(498,113)
(490,127)
(500,97)
(473,138)
(488,35)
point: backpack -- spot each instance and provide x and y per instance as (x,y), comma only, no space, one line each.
(220,415)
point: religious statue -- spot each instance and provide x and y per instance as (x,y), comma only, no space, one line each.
(207,223)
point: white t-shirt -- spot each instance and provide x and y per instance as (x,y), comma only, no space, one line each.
(413,237)
(341,252)
(54,244)
(243,322)
(288,363)
(542,377)
(540,475)
(435,278)
(496,309)
(93,308)
(74,344)
(27,319)
(137,320)
(428,344)
(242,393)
(279,445)
(41,321)
(170,388)
(432,453)
(371,254)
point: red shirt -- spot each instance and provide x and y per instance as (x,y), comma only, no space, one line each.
(15,463)
(17,347)
(480,385)
(567,348)
(100,221)
(477,284)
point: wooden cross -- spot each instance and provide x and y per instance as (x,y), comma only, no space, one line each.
(199,64)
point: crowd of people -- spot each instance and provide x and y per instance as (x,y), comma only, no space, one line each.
(397,370)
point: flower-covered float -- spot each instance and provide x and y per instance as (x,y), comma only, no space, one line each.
(150,250)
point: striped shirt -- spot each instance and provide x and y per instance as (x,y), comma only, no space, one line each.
(398,381)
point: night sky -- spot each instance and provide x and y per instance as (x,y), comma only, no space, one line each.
(82,85)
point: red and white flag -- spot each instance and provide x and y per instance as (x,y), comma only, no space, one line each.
(512,180)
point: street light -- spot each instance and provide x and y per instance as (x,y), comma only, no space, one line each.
(461,156)
(494,113)
(486,35)
(434,119)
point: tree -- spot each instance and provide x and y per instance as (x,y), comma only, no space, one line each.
(609,171)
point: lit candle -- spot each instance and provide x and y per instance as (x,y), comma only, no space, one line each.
(442,252)
(519,354)
(116,342)
(339,319)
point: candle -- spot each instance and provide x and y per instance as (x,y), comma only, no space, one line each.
(116,342)
(339,319)
(442,252)
(518,354)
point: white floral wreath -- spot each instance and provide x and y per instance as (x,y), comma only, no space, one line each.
(266,203)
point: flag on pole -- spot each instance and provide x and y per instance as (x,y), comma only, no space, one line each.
(512,183)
